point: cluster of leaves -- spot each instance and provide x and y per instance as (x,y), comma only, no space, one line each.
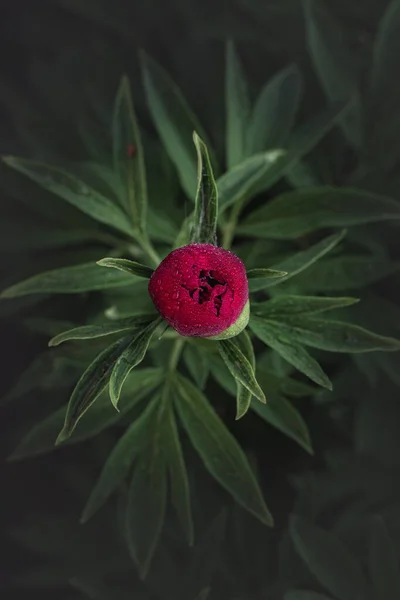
(171,394)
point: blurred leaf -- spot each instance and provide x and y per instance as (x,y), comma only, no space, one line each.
(131,356)
(270,333)
(299,262)
(297,213)
(334,65)
(240,367)
(196,364)
(87,332)
(206,202)
(69,280)
(328,560)
(147,498)
(74,191)
(127,266)
(91,384)
(303,595)
(174,122)
(30,378)
(289,306)
(204,594)
(265,274)
(99,416)
(178,478)
(384,562)
(222,455)
(303,175)
(160,227)
(119,461)
(128,156)
(183,236)
(237,109)
(275,112)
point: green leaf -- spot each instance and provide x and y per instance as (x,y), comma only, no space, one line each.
(196,364)
(206,203)
(240,367)
(91,384)
(243,395)
(332,336)
(304,595)
(128,156)
(127,266)
(386,51)
(147,498)
(289,306)
(242,182)
(334,65)
(173,120)
(219,450)
(203,594)
(265,274)
(383,560)
(69,280)
(88,332)
(178,479)
(275,111)
(300,262)
(132,355)
(99,416)
(345,273)
(74,191)
(237,108)
(297,213)
(328,560)
(281,414)
(119,461)
(271,334)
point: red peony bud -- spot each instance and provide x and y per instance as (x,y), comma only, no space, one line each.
(201,290)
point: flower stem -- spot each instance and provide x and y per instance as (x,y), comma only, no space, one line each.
(149,249)
(229,230)
(175,355)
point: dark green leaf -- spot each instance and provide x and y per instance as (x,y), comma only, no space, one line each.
(204,594)
(297,213)
(174,122)
(289,306)
(74,191)
(271,334)
(91,384)
(384,563)
(304,595)
(87,332)
(219,450)
(131,356)
(275,112)
(69,280)
(334,64)
(127,266)
(299,262)
(206,203)
(243,395)
(128,156)
(178,479)
(99,416)
(237,108)
(119,461)
(265,274)
(196,364)
(240,367)
(328,560)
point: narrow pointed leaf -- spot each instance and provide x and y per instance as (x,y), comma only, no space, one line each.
(329,560)
(129,157)
(74,191)
(240,367)
(87,332)
(299,262)
(127,266)
(220,452)
(237,108)
(243,395)
(91,384)
(291,306)
(383,561)
(265,274)
(119,462)
(69,280)
(271,334)
(178,479)
(206,203)
(131,356)
(174,122)
(275,112)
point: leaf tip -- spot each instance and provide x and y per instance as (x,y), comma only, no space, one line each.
(62,436)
